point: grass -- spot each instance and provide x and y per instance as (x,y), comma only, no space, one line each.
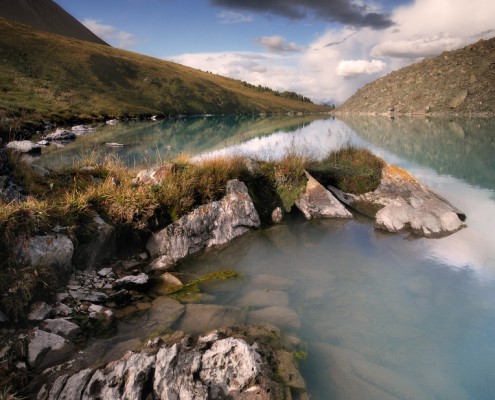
(73,196)
(49,77)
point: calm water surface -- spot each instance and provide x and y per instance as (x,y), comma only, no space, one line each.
(382,316)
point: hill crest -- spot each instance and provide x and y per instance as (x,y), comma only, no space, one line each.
(458,82)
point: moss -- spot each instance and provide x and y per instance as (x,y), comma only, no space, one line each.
(192,286)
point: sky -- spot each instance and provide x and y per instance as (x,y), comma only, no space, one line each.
(323,49)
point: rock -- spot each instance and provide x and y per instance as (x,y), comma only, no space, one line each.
(3,318)
(208,225)
(166,311)
(272,282)
(162,263)
(112,122)
(101,248)
(24,146)
(317,202)
(46,349)
(82,129)
(200,318)
(62,310)
(92,297)
(60,135)
(43,143)
(10,192)
(132,282)
(42,172)
(39,311)
(50,251)
(61,327)
(402,203)
(168,284)
(237,364)
(277,215)
(95,308)
(458,99)
(282,317)
(264,298)
(105,272)
(155,175)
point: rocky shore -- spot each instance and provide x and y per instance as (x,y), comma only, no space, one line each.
(99,289)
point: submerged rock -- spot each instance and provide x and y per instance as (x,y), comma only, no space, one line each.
(318,202)
(204,317)
(211,224)
(402,203)
(232,364)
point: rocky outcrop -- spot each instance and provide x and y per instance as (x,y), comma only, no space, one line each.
(402,203)
(24,146)
(50,251)
(236,363)
(102,247)
(458,82)
(318,202)
(208,225)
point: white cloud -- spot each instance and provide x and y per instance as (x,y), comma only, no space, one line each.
(353,68)
(277,44)
(110,34)
(321,69)
(232,17)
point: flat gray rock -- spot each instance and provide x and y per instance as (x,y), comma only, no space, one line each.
(46,349)
(24,146)
(61,327)
(200,318)
(39,311)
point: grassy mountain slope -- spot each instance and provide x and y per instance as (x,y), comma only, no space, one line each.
(48,16)
(49,77)
(460,82)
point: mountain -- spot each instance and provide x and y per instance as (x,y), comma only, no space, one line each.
(48,16)
(44,76)
(459,82)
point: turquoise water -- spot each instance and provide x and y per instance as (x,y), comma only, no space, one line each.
(381,316)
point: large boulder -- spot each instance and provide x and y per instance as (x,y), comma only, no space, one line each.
(402,203)
(245,363)
(101,248)
(46,349)
(210,224)
(50,251)
(61,327)
(318,202)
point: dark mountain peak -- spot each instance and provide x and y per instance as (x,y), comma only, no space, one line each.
(48,16)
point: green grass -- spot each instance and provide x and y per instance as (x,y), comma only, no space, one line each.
(49,77)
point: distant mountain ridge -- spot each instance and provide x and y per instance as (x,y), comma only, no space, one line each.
(46,15)
(459,82)
(48,77)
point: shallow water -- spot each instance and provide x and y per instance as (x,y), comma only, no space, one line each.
(382,316)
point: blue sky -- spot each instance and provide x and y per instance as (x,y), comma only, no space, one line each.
(324,49)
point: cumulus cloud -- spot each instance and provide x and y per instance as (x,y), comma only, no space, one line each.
(232,17)
(110,34)
(349,12)
(353,68)
(277,44)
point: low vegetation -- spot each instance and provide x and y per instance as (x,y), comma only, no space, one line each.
(72,197)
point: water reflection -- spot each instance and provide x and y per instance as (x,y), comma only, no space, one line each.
(463,148)
(151,142)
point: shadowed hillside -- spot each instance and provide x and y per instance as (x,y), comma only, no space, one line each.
(48,16)
(459,82)
(50,77)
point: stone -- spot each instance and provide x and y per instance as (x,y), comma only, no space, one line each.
(211,224)
(458,99)
(277,215)
(272,282)
(282,317)
(112,122)
(24,147)
(228,364)
(95,308)
(39,311)
(165,311)
(105,272)
(46,349)
(60,135)
(92,297)
(49,251)
(168,284)
(61,327)
(43,143)
(154,176)
(162,263)
(3,318)
(82,129)
(401,203)
(264,298)
(62,310)
(318,202)
(132,282)
(200,318)
(100,249)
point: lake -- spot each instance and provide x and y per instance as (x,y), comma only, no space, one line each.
(380,316)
